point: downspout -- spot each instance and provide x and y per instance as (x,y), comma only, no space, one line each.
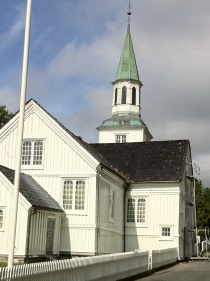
(31,212)
(97,232)
(124,221)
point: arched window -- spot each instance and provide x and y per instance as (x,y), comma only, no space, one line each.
(134,96)
(115,97)
(124,92)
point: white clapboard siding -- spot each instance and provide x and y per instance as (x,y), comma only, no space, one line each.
(38,233)
(110,242)
(162,209)
(80,240)
(62,154)
(111,230)
(54,185)
(63,158)
(131,135)
(6,189)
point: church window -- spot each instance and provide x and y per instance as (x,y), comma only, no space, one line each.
(1,218)
(80,195)
(115,97)
(133,96)
(112,195)
(124,94)
(67,195)
(131,210)
(120,138)
(32,152)
(74,195)
(136,210)
(141,207)
(166,232)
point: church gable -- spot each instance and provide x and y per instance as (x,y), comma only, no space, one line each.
(47,144)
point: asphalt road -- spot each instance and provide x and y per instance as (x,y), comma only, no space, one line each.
(191,271)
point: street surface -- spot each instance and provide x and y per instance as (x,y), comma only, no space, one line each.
(191,271)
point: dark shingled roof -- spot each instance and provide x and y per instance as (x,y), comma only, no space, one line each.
(36,195)
(157,161)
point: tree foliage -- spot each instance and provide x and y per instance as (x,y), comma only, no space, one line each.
(202,205)
(5,115)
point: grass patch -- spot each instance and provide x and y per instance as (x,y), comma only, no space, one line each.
(3,264)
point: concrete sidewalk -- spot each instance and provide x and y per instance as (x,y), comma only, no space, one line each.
(188,271)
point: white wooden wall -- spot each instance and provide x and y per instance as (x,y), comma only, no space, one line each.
(64,158)
(109,136)
(111,232)
(38,233)
(162,209)
(6,190)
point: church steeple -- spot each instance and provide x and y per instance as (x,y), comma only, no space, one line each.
(126,124)
(127,68)
(127,85)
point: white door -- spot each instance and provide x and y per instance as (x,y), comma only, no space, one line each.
(50,235)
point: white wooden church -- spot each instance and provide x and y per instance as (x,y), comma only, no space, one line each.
(124,193)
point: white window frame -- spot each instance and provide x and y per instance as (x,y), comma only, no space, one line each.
(136,198)
(121,138)
(3,209)
(73,210)
(31,165)
(112,204)
(165,228)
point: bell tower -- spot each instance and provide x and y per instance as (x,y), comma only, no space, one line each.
(126,124)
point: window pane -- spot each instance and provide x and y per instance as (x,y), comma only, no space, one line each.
(117,139)
(141,208)
(123,139)
(131,210)
(26,153)
(67,195)
(80,195)
(120,138)
(124,92)
(1,219)
(115,98)
(166,231)
(134,96)
(38,151)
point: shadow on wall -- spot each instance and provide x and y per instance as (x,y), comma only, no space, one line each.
(132,217)
(65,241)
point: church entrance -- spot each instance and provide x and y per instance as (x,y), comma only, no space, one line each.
(50,235)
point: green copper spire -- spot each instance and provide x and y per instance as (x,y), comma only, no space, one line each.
(127,68)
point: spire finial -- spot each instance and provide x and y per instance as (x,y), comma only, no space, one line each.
(129,14)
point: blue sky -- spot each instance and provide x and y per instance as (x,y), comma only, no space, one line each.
(74,53)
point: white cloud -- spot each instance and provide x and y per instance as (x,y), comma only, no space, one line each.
(15,29)
(9,98)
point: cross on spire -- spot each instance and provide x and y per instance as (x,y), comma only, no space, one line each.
(129,14)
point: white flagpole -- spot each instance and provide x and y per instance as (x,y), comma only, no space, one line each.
(13,221)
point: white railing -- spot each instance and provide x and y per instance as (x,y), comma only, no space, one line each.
(163,257)
(105,267)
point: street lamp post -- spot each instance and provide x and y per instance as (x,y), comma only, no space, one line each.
(20,136)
